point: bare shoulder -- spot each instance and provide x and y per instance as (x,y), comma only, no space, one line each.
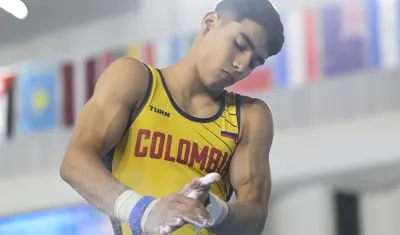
(254,104)
(119,89)
(125,68)
(255,113)
(125,79)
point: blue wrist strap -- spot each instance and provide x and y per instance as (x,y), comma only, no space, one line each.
(136,214)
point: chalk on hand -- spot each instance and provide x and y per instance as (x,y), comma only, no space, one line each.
(209,179)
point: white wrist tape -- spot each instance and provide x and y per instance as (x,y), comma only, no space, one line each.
(146,214)
(217,209)
(124,205)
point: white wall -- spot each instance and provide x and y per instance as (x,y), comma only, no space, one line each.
(31,192)
(348,144)
(380,212)
(308,210)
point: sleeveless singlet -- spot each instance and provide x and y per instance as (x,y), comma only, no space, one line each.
(164,148)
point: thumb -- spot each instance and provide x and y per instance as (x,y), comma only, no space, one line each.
(189,187)
(209,179)
(205,183)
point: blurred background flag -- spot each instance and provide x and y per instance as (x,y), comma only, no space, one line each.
(258,81)
(135,51)
(187,40)
(344,37)
(383,19)
(162,52)
(118,53)
(279,63)
(37,105)
(90,76)
(301,47)
(6,81)
(79,89)
(177,48)
(68,92)
(312,38)
(106,58)
(149,53)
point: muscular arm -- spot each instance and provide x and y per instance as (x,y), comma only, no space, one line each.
(250,172)
(98,129)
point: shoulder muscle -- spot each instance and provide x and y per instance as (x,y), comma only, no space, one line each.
(105,116)
(256,117)
(125,80)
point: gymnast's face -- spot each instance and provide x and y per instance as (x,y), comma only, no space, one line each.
(229,51)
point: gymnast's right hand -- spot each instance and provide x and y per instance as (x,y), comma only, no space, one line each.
(169,213)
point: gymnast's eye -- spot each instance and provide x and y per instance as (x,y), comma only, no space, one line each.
(238,46)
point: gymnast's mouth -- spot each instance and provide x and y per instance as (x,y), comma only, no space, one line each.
(228,76)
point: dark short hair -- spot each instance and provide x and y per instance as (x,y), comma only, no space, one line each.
(261,12)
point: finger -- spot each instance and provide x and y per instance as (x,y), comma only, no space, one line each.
(193,218)
(187,206)
(205,184)
(171,225)
(163,230)
(202,213)
(189,187)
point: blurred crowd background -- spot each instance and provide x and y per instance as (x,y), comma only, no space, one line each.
(334,93)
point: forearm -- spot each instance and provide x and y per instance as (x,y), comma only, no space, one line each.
(87,175)
(244,217)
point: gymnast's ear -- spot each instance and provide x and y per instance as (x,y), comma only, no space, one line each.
(210,21)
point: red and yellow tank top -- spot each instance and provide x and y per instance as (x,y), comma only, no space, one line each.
(164,148)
